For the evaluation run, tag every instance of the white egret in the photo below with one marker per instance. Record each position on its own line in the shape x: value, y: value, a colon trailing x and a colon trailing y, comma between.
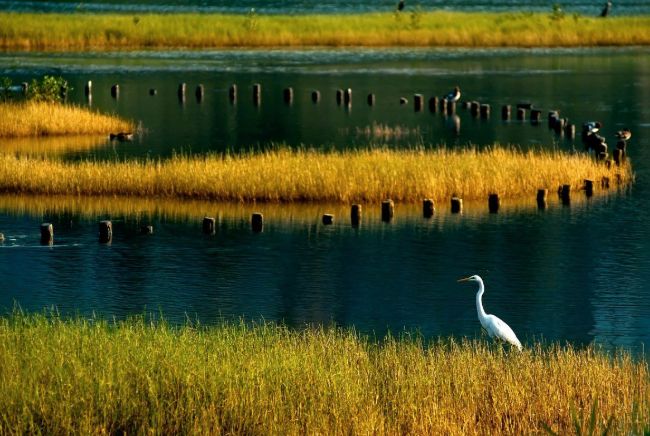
x: 624, y: 134
x: 494, y: 326
x: 454, y: 95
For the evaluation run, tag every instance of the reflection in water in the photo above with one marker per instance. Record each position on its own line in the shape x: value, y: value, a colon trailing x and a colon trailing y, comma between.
x: 51, y: 145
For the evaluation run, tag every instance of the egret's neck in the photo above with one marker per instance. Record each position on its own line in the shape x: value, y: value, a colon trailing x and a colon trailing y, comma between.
x: 479, y: 302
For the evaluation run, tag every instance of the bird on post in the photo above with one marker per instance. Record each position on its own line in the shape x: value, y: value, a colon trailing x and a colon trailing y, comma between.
x: 454, y: 95
x: 624, y: 134
x: 606, y: 9
x: 492, y: 324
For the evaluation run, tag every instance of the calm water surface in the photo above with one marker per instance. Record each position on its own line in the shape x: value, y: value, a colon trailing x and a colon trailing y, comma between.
x: 575, y: 273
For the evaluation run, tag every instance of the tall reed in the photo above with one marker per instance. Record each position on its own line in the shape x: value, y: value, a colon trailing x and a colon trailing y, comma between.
x: 285, y: 175
x: 33, y: 118
x: 82, y: 31
x: 141, y: 376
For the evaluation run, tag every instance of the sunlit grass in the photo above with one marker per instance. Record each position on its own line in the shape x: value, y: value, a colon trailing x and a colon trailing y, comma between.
x: 87, y: 376
x: 82, y: 31
x: 49, y: 119
x: 305, y: 175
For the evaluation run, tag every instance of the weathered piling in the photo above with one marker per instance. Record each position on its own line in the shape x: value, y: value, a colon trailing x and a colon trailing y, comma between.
x: 474, y: 108
x: 485, y: 111
x: 387, y: 210
x: 456, y: 205
x: 553, y: 116
x: 208, y: 225
x: 232, y: 93
x: 443, y: 105
x: 315, y: 96
x: 542, y: 198
x: 153, y: 91
x: 88, y: 89
x: 339, y: 97
x: 328, y: 219
x: 182, y: 87
x: 146, y: 230
x: 617, y: 154
x: 418, y: 102
x: 570, y: 131
x: 105, y: 231
x: 565, y: 194
x: 494, y: 203
x: 428, y: 208
x: 287, y: 94
x: 506, y: 110
x: 521, y: 114
x: 355, y: 215
x: 371, y: 99
x: 535, y: 116
x: 433, y: 104
x: 199, y: 92
x: 589, y: 187
x: 257, y: 94
x: 24, y: 88
x: 257, y: 222
x: 347, y: 97
x: 451, y: 107
x: 47, y: 233
x: 559, y: 125
x: 115, y: 91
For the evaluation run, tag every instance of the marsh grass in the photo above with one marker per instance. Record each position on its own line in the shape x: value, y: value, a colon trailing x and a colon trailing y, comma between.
x: 31, y: 118
x: 32, y: 31
x: 144, y: 376
x: 51, y: 145
x: 307, y: 175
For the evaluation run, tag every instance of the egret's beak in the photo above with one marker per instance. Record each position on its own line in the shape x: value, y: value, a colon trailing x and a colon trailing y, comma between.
x: 466, y: 279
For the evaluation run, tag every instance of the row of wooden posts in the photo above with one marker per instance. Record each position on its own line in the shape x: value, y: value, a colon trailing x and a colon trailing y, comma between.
x: 387, y: 213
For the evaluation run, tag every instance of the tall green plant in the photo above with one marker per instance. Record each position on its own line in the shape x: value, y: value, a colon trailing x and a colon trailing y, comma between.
x: 49, y: 89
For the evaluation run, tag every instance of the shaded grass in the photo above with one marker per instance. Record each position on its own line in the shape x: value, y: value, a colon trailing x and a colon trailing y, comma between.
x: 34, y: 31
x: 90, y: 376
x: 285, y: 175
x: 48, y: 119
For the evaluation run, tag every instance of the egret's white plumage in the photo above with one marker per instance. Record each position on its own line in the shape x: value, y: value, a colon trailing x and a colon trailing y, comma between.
x: 454, y: 95
x: 492, y: 324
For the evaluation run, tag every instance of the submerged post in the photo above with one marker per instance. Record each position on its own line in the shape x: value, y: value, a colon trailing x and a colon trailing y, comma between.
x: 232, y: 93
x: 493, y: 203
x: 339, y: 97
x: 456, y: 205
x: 257, y: 222
x: 474, y: 108
x: 485, y: 111
x: 433, y: 104
x: 355, y: 215
x: 542, y: 196
x: 146, y: 230
x: 257, y: 94
x: 505, y: 112
x: 47, y: 233
x: 88, y: 89
x: 535, y: 116
x: 328, y: 219
x: 387, y: 210
x: 288, y: 95
x: 428, y: 208
x: 181, y: 92
x: 315, y: 96
x: 105, y: 231
x: 570, y: 131
x: 418, y: 102
x: 208, y: 225
x: 521, y: 114
x: 565, y: 194
x: 347, y: 97
x: 589, y: 187
x: 115, y: 91
x: 371, y: 99
x: 200, y: 92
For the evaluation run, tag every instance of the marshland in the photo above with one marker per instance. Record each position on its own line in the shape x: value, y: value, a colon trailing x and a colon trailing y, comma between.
x: 374, y: 305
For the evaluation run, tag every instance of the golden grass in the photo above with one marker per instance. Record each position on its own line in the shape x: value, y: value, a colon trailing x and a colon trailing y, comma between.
x: 33, y: 31
x: 51, y: 145
x: 285, y: 175
x: 90, y: 376
x: 49, y: 119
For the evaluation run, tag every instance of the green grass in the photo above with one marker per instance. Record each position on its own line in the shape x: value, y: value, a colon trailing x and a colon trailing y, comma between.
x: 90, y: 376
x: 31, y: 118
x: 305, y: 175
x: 33, y: 31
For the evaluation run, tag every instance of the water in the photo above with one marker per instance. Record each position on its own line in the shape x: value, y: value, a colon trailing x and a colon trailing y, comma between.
x: 575, y: 273
x: 586, y: 7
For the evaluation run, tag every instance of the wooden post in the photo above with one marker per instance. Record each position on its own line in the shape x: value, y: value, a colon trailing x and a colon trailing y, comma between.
x: 257, y: 94
x: 387, y: 210
x: 115, y: 91
x: 521, y: 114
x: 181, y: 92
x: 443, y: 105
x: 553, y: 116
x: 589, y: 187
x: 428, y: 208
x: 200, y: 92
x: 451, y: 107
x: 232, y: 93
x: 146, y: 230
x: 493, y: 203
x: 475, y: 108
x: 433, y: 104
x: 570, y: 131
x: 559, y: 125
x: 418, y: 102
x: 617, y: 155
x: 153, y: 91
x: 105, y: 231
x: 535, y: 116
x: 328, y: 219
x: 257, y: 222
x: 47, y: 233
x: 485, y: 111
x: 315, y: 96
x: 88, y: 89
x: 456, y: 205
x: 565, y: 194
x: 505, y: 112
x: 347, y: 97
x: 339, y: 97
x: 288, y: 95
x: 542, y: 195
x: 208, y: 225
x: 355, y: 215
x: 371, y: 99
